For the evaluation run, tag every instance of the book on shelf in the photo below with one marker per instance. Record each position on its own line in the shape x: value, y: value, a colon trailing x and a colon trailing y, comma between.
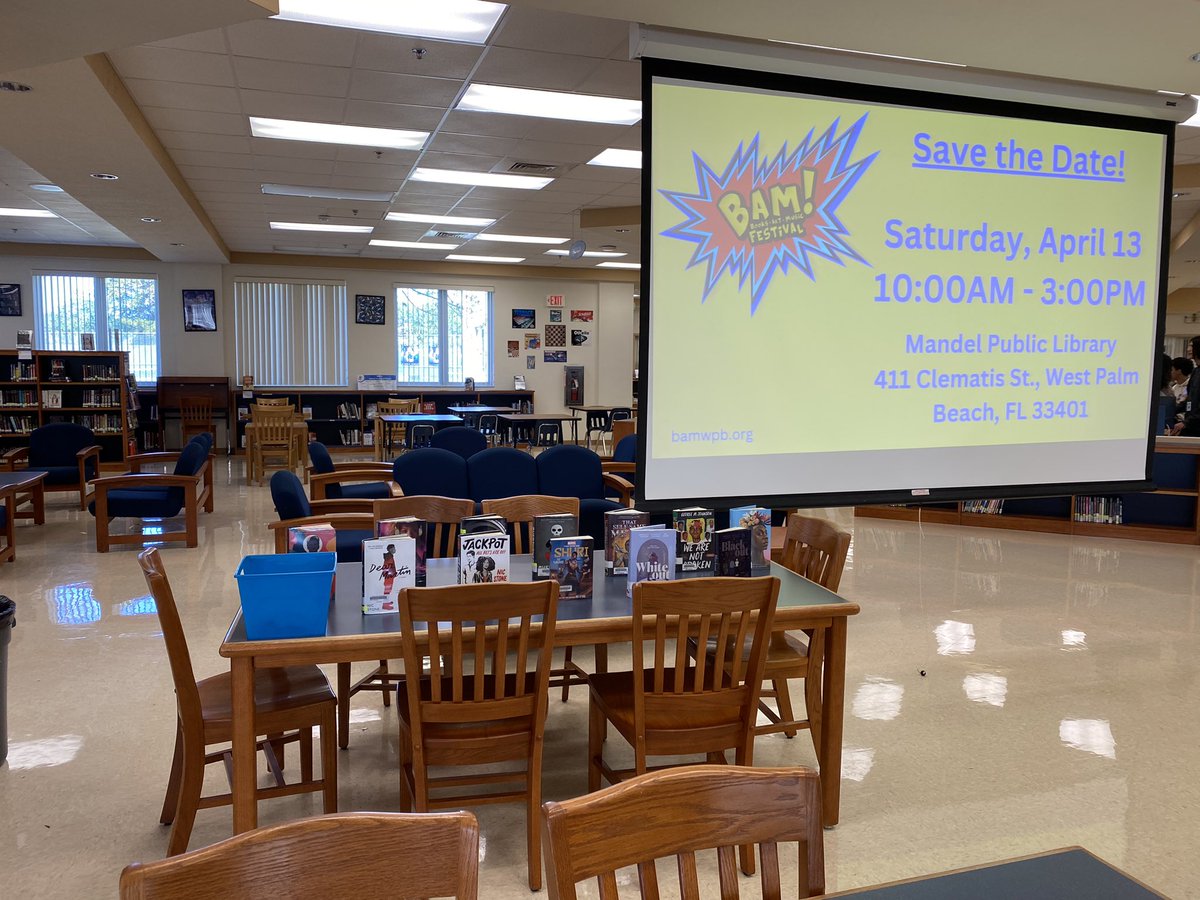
x: 571, y: 566
x: 410, y: 527
x: 1099, y: 510
x: 695, y: 526
x: 733, y: 549
x: 651, y: 555
x: 758, y: 520
x: 617, y: 524
x: 389, y: 564
x: 52, y: 399
x: 545, y: 529
x: 983, y: 507
x: 483, y: 558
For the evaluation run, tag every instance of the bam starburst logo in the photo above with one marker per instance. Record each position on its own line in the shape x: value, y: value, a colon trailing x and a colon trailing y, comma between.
x: 764, y: 216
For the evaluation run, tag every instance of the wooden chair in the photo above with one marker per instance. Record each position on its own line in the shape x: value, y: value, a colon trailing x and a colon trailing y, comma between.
x: 195, y: 416
x: 441, y: 515
x: 623, y: 428
x: 676, y: 705
x: 816, y: 549
x: 520, y: 512
x: 485, y: 704
x: 274, y: 401
x: 680, y: 812
x: 365, y: 855
x: 292, y: 699
x: 274, y: 436
x: 392, y: 407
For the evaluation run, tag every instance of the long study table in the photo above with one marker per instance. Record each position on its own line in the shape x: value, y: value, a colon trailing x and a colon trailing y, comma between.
x: 607, y: 618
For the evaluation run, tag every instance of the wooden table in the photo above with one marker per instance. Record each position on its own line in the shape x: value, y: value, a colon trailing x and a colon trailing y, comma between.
x: 605, y: 619
x: 513, y: 419
x: 299, y: 435
x: 1070, y: 873
x: 437, y: 420
x: 16, y: 489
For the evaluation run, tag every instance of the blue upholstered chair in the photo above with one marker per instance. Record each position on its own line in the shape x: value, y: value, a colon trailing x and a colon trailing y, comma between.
x: 623, y: 462
x: 356, y: 480
x: 65, y: 451
x: 147, y: 495
x: 571, y: 471
x: 466, y: 442
x: 431, y: 471
x: 353, y: 520
x: 502, y: 472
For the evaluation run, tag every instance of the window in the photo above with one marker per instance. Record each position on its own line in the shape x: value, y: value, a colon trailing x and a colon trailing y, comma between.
x: 291, y: 333
x: 120, y: 311
x: 443, y: 335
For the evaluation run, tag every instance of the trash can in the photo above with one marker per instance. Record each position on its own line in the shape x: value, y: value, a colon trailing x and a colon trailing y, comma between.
x: 8, y: 620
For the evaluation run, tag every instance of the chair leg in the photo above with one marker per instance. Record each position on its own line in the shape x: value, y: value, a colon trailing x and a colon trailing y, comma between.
x: 343, y: 705
x: 171, y: 801
x: 190, y: 784
x: 306, y: 754
x: 278, y: 747
x: 533, y: 808
x: 783, y: 701
x: 406, y: 762
x: 566, y: 686
x: 382, y: 674
x: 597, y: 724
x: 329, y: 744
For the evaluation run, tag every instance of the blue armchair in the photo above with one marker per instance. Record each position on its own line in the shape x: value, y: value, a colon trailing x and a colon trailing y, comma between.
x: 353, y: 520
x: 356, y: 480
x: 466, y: 442
x: 501, y: 472
x: 571, y: 471
x: 65, y: 451
x: 146, y: 495
x: 431, y: 470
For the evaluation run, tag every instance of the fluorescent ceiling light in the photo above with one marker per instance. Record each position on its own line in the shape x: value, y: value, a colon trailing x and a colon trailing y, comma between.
x: 324, y: 133
x: 519, y: 239
x: 470, y: 21
x: 551, y: 104
x: 413, y: 245
x: 318, y: 251
x: 624, y: 159
x: 300, y: 190
x: 604, y: 254
x: 438, y: 220
x: 27, y: 213
x: 47, y: 188
x: 321, y: 226
x: 933, y: 62
x: 462, y: 257
x: 613, y: 265
x: 480, y: 179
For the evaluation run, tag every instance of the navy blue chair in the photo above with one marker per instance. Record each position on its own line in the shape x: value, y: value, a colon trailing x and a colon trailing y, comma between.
x: 431, y: 471
x: 501, y: 472
x: 65, y: 451
x: 346, y: 481
x: 623, y: 462
x: 353, y: 520
x: 466, y: 442
x: 571, y: 471
x: 146, y: 495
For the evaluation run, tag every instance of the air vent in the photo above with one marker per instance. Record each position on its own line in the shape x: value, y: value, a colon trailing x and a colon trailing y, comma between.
x: 532, y: 168
x: 451, y: 235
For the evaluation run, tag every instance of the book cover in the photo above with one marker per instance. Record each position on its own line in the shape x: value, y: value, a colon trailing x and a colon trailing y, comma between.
x: 758, y: 520
x: 318, y: 538
x: 617, y: 523
x: 571, y: 566
x: 389, y: 564
x: 695, y: 526
x: 483, y: 558
x: 651, y: 555
x: 411, y: 527
x: 546, y: 528
x: 489, y: 524
x: 733, y: 547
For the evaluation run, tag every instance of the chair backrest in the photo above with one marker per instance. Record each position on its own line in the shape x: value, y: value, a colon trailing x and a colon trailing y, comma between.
x: 502, y: 472
x: 187, y: 696
x: 570, y: 471
x: 619, y: 413
x: 340, y: 855
x: 469, y: 672
x: 520, y: 512
x: 626, y: 449
x: 57, y: 443
x: 816, y: 549
x: 441, y: 514
x: 679, y: 812
x: 272, y: 401
x: 431, y: 471
x: 318, y: 454
x: 272, y: 424
x: 287, y: 493
x: 622, y: 428
x: 489, y: 423
x: 205, y: 438
x: 191, y: 458
x: 394, y: 406
x: 549, y: 434
x: 466, y: 442
x: 420, y: 436
x: 717, y: 692
x: 196, y: 411
x: 597, y: 420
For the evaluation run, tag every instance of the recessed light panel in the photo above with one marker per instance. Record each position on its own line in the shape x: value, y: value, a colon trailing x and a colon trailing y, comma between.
x: 301, y: 190
x: 616, y: 265
x: 27, y: 213
x: 322, y: 226
x: 438, y: 220
x: 324, y: 133
x: 413, y: 245
x: 589, y: 254
x: 462, y: 257
x: 469, y: 21
x: 480, y: 179
x: 47, y: 188
x: 624, y: 159
x: 519, y: 239
x: 495, y: 98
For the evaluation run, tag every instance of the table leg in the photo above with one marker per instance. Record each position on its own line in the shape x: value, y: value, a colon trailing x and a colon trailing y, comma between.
x: 39, y: 504
x: 249, y: 457
x: 245, y: 803
x: 9, y: 553
x: 832, y: 709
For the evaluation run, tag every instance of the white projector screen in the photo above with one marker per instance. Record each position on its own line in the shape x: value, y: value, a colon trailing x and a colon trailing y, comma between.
x: 855, y: 293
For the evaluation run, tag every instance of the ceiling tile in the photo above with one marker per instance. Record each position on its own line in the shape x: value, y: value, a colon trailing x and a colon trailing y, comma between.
x: 536, y: 29
x: 472, y: 145
x: 394, y: 53
x: 193, y: 120
x: 614, y: 78
x: 533, y: 69
x: 172, y: 94
x: 411, y: 90
x: 392, y: 115
x: 298, y: 149
x: 372, y: 170
x: 300, y: 107
x: 294, y: 42
x: 164, y: 64
x: 195, y: 140
x: 202, y: 41
x: 290, y: 78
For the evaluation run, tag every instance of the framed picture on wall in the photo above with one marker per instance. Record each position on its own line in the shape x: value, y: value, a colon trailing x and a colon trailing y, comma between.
x: 369, y: 309
x: 200, y: 310
x: 10, y: 299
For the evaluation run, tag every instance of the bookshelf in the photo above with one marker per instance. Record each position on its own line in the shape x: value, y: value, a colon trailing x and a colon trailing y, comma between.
x: 1170, y: 514
x: 90, y: 388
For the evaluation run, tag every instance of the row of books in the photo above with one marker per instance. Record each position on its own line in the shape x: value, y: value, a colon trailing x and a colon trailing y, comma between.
x: 100, y: 372
x: 100, y: 423
x: 348, y: 410
x: 1099, y: 510
x: 22, y: 371
x: 18, y: 398
x: 18, y: 424
x: 983, y: 507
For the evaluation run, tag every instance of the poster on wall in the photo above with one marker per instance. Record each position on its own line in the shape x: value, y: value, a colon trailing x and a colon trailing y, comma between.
x: 554, y: 356
x: 556, y: 315
x: 533, y: 341
x: 556, y: 335
x: 580, y: 337
x: 200, y: 310
x: 10, y: 299
x: 581, y: 315
x: 524, y: 318
x: 514, y: 349
x: 531, y: 362
x: 369, y: 309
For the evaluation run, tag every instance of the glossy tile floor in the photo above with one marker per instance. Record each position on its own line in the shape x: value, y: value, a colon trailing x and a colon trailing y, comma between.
x: 1006, y: 693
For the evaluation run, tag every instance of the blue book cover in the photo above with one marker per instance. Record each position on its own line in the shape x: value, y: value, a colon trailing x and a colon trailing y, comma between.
x: 571, y: 566
x: 651, y: 555
x: 758, y: 520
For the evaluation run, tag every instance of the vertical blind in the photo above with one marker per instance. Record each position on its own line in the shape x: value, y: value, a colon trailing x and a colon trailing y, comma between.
x: 291, y: 334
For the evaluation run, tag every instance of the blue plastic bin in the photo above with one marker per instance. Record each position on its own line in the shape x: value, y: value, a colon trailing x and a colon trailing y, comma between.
x: 286, y: 595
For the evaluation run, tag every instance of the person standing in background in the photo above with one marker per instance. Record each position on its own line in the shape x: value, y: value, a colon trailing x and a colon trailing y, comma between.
x: 1190, y: 425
